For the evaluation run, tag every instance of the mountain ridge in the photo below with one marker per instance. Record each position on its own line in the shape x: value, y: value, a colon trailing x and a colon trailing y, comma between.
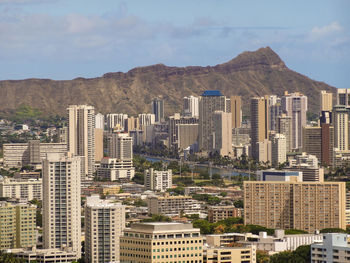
x: 251, y: 73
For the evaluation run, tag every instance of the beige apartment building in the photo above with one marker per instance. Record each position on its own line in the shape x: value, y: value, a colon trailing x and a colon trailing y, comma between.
x: 81, y: 136
x: 326, y: 101
x: 307, y: 206
x: 104, y: 223
x: 284, y: 126
x: 161, y: 243
x: 172, y: 205
x: 21, y: 188
x: 31, y: 153
x: 229, y: 255
x: 17, y: 225
x: 219, y: 213
x: 222, y: 136
x: 61, y: 202
x: 158, y: 180
x: 113, y: 169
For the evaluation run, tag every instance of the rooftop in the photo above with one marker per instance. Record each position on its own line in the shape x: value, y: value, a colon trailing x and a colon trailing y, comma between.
x: 211, y: 93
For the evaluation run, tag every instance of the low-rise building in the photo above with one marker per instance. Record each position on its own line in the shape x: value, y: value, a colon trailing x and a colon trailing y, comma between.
x: 161, y: 242
x: 173, y: 205
x: 229, y: 255
x: 113, y: 169
x: 158, y: 180
x: 219, y: 213
x: 334, y: 248
x: 21, y: 188
x: 45, y: 255
x: 31, y: 153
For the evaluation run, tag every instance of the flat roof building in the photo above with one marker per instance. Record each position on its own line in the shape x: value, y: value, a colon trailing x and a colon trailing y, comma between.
x: 161, y: 242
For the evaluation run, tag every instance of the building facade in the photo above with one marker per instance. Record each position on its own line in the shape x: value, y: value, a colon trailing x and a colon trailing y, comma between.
x: 219, y: 213
x: 61, y: 202
x: 161, y: 242
x: 21, y: 188
x: 210, y: 101
x: 307, y: 206
x: 81, y: 136
x: 104, y: 223
x: 158, y: 180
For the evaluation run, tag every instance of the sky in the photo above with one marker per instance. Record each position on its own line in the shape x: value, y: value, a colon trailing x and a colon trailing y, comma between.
x: 65, y: 39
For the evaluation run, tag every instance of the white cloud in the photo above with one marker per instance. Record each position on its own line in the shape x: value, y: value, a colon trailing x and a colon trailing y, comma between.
x: 324, y: 31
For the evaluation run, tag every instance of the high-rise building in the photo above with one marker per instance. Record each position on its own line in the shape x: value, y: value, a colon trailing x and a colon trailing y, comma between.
x: 210, y: 101
x: 278, y: 149
x: 158, y: 109
x: 99, y: 121
x: 161, y: 242
x: 116, y: 121
x: 222, y: 136
x: 236, y: 111
x: 312, y: 141
x: 131, y: 124
x: 81, y: 135
x: 173, y: 130
x: 326, y: 101
x: 146, y: 119
x: 259, y: 119
x: 275, y: 110
x: 319, y: 141
x: 17, y: 225
x: 341, y: 128
x: 104, y: 223
x: 295, y: 106
x: 158, y: 180
x: 61, y: 202
x: 191, y: 106
x: 187, y: 135
x: 343, y: 97
x: 98, y: 145
x: 284, y: 126
x: 120, y: 146
x: 295, y: 205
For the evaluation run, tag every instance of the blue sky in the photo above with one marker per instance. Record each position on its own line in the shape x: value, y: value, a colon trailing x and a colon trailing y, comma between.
x: 64, y: 39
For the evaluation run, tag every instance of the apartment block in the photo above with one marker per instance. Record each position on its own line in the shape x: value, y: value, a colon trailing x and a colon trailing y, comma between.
x: 113, y: 169
x: 219, y: 213
x: 172, y: 205
x: 222, y: 136
x: 62, y: 202
x: 335, y: 248
x: 307, y: 206
x: 161, y: 242
x: 158, y: 109
x: 116, y: 121
x: 21, y: 188
x: 81, y: 136
x: 31, y: 153
x: 158, y: 180
x: 104, y: 223
x: 326, y: 101
x: 17, y: 225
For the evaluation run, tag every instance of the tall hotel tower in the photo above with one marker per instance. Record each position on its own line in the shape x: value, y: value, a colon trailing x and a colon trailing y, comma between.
x: 61, y: 202
x: 81, y: 135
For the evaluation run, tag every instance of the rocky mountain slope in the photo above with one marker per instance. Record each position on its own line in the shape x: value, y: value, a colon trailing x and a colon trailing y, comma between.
x: 249, y: 74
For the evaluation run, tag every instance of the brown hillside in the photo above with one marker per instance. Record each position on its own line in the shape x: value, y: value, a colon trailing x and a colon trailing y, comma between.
x: 249, y: 74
